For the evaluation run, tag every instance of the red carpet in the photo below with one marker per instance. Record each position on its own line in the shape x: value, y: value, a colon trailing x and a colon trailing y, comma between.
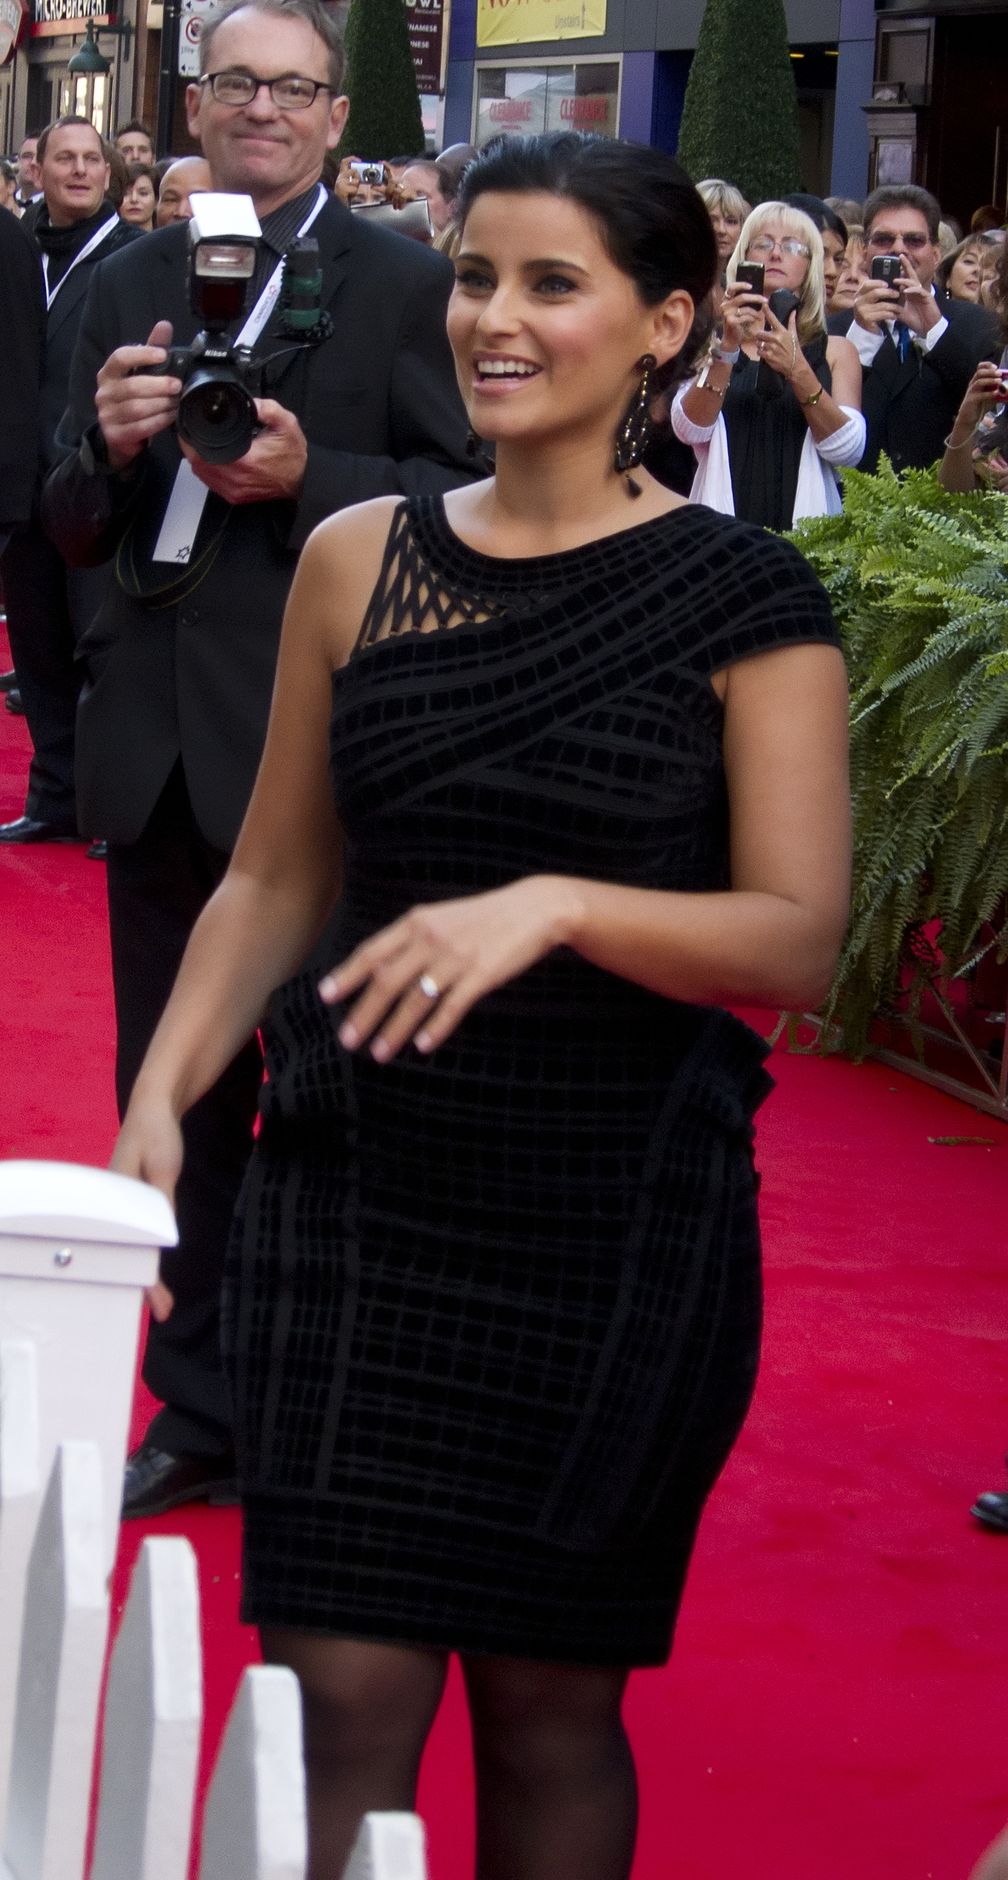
x: 833, y: 1708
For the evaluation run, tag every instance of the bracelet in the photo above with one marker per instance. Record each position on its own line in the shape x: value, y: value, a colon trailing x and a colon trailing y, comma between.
x: 727, y: 358
x: 967, y: 445
x: 807, y: 403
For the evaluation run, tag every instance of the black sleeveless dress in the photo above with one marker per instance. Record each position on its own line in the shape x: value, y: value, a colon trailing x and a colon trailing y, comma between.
x: 492, y: 1317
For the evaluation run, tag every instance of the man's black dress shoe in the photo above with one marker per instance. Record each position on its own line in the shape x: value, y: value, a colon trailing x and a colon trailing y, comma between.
x: 992, y: 1509
x: 8, y: 680
x: 30, y: 829
x: 97, y: 851
x: 14, y: 703
x: 154, y: 1481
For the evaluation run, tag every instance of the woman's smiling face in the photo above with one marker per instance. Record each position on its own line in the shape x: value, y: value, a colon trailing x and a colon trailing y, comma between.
x: 545, y: 328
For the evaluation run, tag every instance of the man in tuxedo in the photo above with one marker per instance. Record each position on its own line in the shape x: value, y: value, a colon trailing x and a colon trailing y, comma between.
x: 918, y: 348
x: 181, y: 658
x: 22, y: 322
x: 48, y: 605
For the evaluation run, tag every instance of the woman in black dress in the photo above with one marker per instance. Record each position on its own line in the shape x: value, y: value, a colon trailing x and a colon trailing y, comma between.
x: 775, y: 409
x: 567, y: 758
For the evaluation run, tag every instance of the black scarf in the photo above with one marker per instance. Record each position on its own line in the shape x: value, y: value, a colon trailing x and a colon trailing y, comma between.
x: 61, y: 245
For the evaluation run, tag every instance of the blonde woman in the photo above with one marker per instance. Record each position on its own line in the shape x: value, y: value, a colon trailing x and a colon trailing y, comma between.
x: 777, y: 406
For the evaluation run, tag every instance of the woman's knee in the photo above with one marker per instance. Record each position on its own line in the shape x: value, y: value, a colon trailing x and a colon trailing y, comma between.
x: 545, y: 1720
x: 359, y: 1697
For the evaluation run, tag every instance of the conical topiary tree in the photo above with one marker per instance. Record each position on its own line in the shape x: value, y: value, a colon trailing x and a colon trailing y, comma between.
x: 740, y: 116
x: 385, y: 118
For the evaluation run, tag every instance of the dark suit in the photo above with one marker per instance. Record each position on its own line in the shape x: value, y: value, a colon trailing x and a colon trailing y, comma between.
x: 172, y: 721
x: 48, y: 605
x: 22, y: 323
x: 910, y: 404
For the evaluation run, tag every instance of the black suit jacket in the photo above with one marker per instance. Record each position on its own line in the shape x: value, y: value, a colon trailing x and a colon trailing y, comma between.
x: 193, y: 676
x: 62, y: 327
x: 910, y: 404
x: 22, y: 323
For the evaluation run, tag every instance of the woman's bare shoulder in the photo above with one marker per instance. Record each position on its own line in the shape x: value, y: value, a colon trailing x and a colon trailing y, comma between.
x: 339, y: 566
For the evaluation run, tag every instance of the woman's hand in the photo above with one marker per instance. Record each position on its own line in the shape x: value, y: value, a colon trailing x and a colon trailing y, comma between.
x: 988, y: 386
x: 419, y: 977
x: 743, y: 315
x: 149, y: 1147
x: 778, y: 344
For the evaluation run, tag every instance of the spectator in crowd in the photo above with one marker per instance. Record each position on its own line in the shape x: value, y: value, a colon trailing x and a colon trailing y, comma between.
x: 135, y: 142
x: 833, y: 230
x: 777, y: 405
x: 452, y: 165
x: 493, y: 1304
x: 959, y: 272
x: 49, y: 605
x: 181, y: 657
x: 949, y: 236
x: 976, y: 457
x: 29, y: 183
x: 851, y: 213
x: 424, y: 180
x: 852, y: 272
x: 22, y: 322
x: 118, y: 177
x: 140, y: 201
x: 181, y: 181
x: 8, y: 186
x: 727, y: 208
x: 994, y: 284
x: 987, y: 217
x: 917, y: 347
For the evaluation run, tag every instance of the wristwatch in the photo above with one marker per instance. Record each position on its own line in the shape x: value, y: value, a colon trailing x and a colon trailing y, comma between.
x: 814, y: 400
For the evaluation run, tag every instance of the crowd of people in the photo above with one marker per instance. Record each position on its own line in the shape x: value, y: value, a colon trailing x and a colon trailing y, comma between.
x: 546, y: 767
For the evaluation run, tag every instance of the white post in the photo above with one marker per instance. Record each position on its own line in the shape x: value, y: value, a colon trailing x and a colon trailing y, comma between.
x: 77, y: 1247
x: 255, y: 1820
x: 388, y: 1847
x: 59, y: 1676
x: 153, y: 1714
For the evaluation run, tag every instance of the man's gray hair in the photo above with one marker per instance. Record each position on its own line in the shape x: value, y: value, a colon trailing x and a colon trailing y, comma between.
x: 314, y: 13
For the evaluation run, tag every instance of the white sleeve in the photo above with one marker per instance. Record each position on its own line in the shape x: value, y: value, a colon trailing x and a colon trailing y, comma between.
x: 847, y: 445
x: 865, y: 344
x: 686, y: 431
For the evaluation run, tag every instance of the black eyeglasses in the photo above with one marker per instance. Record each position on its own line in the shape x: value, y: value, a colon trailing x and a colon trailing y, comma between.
x: 289, y: 93
x: 885, y: 239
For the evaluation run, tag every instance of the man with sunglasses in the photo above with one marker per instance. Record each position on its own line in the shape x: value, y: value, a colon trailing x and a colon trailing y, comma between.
x: 918, y: 348
x: 181, y: 658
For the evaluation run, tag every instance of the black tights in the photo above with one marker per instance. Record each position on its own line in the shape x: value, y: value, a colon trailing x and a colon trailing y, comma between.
x: 556, y: 1791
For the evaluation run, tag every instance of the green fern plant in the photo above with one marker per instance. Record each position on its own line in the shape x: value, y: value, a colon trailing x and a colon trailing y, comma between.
x: 918, y: 579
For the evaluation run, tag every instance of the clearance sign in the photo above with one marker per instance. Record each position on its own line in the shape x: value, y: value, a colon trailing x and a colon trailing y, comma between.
x: 519, y: 22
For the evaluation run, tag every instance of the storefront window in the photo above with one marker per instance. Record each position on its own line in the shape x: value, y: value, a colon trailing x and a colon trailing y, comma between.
x: 526, y: 99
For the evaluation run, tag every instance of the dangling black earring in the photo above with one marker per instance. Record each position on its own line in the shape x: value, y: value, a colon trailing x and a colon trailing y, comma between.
x: 633, y: 434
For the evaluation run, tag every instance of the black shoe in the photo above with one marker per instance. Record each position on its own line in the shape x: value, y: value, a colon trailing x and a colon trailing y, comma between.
x: 13, y: 702
x: 154, y: 1481
x: 992, y: 1509
x: 97, y: 851
x: 30, y: 829
x: 8, y: 680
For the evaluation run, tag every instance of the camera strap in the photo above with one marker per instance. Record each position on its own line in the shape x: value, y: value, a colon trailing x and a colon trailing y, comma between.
x: 188, y: 497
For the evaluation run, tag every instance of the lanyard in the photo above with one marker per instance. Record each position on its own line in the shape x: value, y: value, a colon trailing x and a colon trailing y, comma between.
x: 88, y: 249
x: 188, y: 497
x: 267, y: 300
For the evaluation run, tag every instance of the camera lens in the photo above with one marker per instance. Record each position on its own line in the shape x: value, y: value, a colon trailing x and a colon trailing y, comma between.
x: 217, y: 416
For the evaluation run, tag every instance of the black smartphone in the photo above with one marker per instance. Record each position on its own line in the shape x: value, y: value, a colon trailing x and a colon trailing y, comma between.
x: 887, y: 268
x: 751, y: 274
x: 783, y: 304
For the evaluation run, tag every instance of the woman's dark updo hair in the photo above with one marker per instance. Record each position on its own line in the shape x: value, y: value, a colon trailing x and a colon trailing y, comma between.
x: 653, y: 224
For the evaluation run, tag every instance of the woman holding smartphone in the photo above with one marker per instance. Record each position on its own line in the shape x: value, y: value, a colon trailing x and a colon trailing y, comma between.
x: 776, y: 408
x: 564, y: 759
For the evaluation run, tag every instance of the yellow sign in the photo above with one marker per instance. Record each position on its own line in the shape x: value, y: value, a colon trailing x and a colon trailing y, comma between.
x: 520, y: 22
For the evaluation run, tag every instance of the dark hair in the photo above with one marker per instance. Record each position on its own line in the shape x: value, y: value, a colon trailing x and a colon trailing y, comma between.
x: 988, y: 216
x: 61, y: 124
x: 314, y: 14
x: 904, y: 196
x: 820, y: 213
x: 135, y: 171
x: 134, y: 125
x: 653, y: 223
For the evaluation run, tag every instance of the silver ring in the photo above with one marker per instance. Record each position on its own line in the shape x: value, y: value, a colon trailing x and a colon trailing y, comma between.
x: 428, y: 986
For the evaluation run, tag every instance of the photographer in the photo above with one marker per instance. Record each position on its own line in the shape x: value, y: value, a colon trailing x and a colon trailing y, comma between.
x: 181, y: 658
x: 918, y: 348
x: 777, y: 404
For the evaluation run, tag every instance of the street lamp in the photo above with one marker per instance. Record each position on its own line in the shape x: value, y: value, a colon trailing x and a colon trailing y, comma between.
x: 89, y: 61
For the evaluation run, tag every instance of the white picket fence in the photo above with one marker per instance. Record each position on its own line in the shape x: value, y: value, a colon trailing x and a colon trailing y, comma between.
x: 77, y: 1248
